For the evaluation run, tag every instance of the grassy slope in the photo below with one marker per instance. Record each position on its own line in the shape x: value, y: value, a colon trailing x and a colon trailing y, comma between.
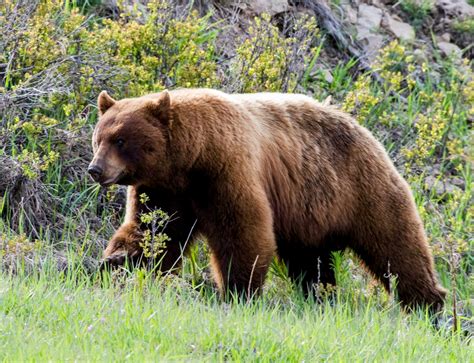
x: 52, y: 318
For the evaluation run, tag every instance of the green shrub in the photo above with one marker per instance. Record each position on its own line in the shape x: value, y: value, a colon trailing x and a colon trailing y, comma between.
x: 464, y: 26
x: 269, y: 61
x: 417, y: 9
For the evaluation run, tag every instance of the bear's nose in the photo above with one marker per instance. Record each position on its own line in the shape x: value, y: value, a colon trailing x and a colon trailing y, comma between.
x: 95, y: 172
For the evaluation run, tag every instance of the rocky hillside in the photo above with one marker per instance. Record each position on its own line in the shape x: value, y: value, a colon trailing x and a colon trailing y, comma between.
x: 443, y: 25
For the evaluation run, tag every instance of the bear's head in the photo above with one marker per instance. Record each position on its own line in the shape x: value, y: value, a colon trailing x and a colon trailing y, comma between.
x: 130, y: 141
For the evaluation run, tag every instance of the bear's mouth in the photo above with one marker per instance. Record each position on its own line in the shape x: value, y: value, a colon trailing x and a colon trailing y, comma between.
x: 119, y: 179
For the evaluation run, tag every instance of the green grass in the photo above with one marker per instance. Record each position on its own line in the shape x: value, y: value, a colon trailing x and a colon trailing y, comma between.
x: 74, y: 318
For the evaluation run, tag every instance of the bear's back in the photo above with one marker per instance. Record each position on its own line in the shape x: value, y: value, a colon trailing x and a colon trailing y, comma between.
x: 277, y: 111
x: 296, y: 145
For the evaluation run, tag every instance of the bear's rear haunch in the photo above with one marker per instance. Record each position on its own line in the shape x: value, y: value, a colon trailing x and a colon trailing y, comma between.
x: 259, y: 174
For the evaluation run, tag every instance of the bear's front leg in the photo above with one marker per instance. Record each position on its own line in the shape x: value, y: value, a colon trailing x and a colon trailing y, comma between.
x: 125, y: 243
x: 242, y: 241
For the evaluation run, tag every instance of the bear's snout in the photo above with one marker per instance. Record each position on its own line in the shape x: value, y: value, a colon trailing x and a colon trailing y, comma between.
x: 95, y: 171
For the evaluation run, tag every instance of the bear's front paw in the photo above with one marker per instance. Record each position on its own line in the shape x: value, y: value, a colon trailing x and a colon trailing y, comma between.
x: 119, y: 259
x: 112, y: 261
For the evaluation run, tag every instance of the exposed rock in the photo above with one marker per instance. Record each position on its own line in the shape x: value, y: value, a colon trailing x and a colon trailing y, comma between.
x: 368, y: 23
x: 362, y: 32
x: 327, y: 75
x: 445, y: 37
x: 350, y: 14
x: 320, y: 72
x: 459, y: 182
x: 377, y: 3
x: 420, y: 55
x: 372, y: 44
x: 440, y: 186
x: 271, y: 7
x: 401, y: 30
x: 369, y: 16
x: 449, y: 49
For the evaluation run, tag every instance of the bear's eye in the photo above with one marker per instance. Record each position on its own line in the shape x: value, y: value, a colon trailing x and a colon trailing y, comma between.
x: 120, y: 142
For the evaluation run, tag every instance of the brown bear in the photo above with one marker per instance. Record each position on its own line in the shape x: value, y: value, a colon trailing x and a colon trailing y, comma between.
x: 259, y: 175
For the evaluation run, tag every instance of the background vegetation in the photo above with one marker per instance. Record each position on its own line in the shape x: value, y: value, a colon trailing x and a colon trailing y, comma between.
x: 55, y: 57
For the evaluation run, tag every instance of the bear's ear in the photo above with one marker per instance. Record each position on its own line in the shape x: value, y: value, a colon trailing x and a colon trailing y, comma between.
x: 104, y: 102
x: 160, y: 107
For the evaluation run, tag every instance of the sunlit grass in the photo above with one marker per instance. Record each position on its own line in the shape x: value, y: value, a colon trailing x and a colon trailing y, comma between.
x: 72, y: 317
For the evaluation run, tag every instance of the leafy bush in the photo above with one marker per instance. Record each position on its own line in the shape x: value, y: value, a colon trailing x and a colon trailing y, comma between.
x: 57, y: 59
x: 270, y: 61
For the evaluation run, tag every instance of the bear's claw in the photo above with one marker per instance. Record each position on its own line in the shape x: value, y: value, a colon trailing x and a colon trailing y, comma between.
x: 113, y: 261
x: 118, y: 259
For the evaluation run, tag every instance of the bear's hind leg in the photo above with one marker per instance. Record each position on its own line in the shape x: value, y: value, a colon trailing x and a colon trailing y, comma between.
x: 403, y: 254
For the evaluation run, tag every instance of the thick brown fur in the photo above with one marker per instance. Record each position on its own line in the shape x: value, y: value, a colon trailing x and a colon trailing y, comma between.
x: 259, y: 174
